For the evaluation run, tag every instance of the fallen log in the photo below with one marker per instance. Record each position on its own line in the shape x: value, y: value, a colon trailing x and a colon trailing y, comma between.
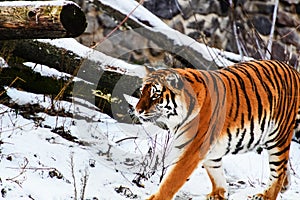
x: 40, y: 19
x: 42, y: 53
x: 195, y: 54
x: 104, y: 80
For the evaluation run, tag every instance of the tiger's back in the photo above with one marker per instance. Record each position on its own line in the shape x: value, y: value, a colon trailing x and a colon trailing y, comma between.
x: 233, y: 110
x: 261, y: 101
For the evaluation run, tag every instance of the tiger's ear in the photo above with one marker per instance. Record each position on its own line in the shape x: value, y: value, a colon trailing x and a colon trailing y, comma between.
x: 148, y: 69
x: 174, y: 80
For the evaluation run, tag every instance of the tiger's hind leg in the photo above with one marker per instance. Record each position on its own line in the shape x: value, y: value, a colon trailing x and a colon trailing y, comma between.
x: 279, y: 173
x: 216, y: 174
x: 287, y: 181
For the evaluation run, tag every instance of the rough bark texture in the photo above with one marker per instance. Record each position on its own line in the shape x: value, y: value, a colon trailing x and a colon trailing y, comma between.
x: 45, y: 19
x: 104, y: 81
x: 42, y: 53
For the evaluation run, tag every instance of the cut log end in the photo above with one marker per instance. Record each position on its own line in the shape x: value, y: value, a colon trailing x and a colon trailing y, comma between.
x: 73, y: 20
x: 41, y: 19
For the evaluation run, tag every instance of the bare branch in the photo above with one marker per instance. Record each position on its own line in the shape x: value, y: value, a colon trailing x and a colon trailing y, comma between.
x: 73, y: 175
x: 269, y: 45
x: 237, y: 41
x: 84, y: 181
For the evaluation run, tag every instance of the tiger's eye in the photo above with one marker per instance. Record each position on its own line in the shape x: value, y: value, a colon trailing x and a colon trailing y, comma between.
x: 155, y: 96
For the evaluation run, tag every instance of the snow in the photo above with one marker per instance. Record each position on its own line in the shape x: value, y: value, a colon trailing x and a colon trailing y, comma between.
x: 98, y: 57
x: 45, y: 152
x: 3, y: 63
x: 45, y: 70
x: 31, y: 153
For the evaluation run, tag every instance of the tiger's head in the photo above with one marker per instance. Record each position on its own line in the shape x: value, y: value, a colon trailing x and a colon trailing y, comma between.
x: 163, y: 98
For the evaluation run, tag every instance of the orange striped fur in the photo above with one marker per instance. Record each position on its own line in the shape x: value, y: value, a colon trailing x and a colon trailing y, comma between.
x: 228, y: 111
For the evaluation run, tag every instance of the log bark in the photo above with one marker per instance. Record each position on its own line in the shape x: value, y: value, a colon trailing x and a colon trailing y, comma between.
x: 96, y: 76
x: 42, y: 53
x: 40, y: 19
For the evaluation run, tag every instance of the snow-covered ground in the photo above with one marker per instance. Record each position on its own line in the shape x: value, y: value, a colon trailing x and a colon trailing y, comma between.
x: 37, y: 163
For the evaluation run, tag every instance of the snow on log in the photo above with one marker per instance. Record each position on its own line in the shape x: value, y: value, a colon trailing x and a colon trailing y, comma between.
x: 110, y: 78
x: 67, y: 55
x: 197, y: 54
x: 40, y: 19
x: 104, y: 79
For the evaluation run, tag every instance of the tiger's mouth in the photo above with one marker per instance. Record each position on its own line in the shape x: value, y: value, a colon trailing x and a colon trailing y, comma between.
x: 149, y: 117
x: 155, y: 119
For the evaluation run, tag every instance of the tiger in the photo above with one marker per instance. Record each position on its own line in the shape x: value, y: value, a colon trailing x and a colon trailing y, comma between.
x: 236, y: 109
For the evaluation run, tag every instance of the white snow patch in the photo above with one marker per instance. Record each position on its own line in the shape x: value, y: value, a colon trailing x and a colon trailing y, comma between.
x: 104, y: 61
x: 3, y: 63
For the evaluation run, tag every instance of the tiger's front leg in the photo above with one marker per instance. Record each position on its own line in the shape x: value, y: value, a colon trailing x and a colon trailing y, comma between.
x: 176, y: 177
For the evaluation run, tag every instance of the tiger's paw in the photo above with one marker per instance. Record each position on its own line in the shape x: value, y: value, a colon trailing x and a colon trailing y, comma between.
x: 215, y: 197
x: 159, y: 196
x: 218, y: 194
x: 257, y: 197
x: 152, y: 197
x: 156, y: 197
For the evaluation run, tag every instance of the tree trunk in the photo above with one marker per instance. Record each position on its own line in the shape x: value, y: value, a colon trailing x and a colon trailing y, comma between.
x: 40, y: 19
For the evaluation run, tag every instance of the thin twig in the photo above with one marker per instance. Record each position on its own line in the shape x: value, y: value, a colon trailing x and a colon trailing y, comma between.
x: 17, y: 78
x: 23, y: 170
x: 259, y: 48
x: 73, y: 176
x: 117, y: 27
x: 269, y: 45
x: 84, y: 181
x: 293, y: 170
x: 216, y: 56
x: 128, y: 138
x: 256, y: 37
x: 34, y: 168
x: 234, y: 27
x: 290, y: 32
